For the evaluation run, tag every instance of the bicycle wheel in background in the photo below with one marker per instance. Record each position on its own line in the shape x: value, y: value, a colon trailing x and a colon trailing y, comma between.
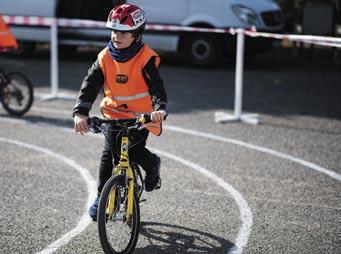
x: 116, y: 233
x: 17, y: 94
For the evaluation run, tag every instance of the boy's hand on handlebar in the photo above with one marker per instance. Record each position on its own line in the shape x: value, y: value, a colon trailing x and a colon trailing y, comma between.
x: 81, y: 124
x: 158, y: 116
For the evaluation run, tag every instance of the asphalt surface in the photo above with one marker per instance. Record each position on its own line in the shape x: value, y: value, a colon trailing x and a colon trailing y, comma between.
x: 227, y: 188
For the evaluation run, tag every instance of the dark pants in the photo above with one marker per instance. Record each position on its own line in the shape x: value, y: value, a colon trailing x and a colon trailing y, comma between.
x: 137, y: 152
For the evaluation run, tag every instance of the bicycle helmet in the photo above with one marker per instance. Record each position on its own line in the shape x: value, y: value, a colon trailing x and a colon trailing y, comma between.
x: 127, y: 18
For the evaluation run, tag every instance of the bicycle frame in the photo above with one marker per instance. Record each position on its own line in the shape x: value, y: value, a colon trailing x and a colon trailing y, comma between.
x: 119, y: 204
x: 123, y: 168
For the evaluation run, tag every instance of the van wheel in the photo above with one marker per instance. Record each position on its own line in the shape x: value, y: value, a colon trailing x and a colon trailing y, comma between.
x: 200, y: 50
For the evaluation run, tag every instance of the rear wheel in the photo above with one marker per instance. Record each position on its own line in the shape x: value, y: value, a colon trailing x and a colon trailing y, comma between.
x: 117, y: 232
x: 17, y: 94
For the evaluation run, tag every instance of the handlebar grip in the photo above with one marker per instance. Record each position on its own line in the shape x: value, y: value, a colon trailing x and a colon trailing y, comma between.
x: 95, y: 124
x: 94, y: 121
x: 146, y: 118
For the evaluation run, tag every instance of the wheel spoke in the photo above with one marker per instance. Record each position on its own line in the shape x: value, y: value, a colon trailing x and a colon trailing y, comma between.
x: 17, y: 94
x: 118, y: 234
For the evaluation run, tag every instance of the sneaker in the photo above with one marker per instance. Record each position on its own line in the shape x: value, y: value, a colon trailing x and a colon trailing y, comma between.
x: 93, y: 209
x: 153, y: 178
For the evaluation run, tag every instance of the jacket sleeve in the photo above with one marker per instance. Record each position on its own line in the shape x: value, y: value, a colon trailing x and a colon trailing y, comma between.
x: 91, y: 85
x: 155, y: 83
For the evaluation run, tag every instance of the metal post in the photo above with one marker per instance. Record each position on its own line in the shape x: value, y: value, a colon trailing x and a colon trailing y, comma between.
x: 224, y: 117
x: 54, y: 57
x: 54, y: 71
x: 239, y: 75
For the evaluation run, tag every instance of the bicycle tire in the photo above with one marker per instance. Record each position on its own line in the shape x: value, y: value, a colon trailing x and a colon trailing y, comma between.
x: 117, y: 228
x: 17, y: 94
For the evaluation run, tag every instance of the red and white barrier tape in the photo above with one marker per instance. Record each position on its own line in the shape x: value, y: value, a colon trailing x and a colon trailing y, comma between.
x: 171, y: 28
x: 27, y: 20
x: 46, y: 21
x: 311, y: 39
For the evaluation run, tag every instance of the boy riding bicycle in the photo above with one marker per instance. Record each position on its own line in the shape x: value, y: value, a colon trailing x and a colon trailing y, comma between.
x: 127, y: 70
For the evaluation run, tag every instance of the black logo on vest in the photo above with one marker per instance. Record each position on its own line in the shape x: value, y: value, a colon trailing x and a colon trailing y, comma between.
x: 121, y: 79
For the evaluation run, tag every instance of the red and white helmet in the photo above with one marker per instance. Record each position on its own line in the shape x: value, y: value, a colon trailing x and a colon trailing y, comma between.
x: 126, y: 17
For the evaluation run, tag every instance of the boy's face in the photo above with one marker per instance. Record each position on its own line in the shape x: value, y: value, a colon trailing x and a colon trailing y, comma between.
x: 121, y: 40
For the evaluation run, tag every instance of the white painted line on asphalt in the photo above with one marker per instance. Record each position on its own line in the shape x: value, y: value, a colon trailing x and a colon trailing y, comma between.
x: 60, y: 95
x: 239, y: 143
x: 245, y: 212
x: 244, y: 209
x: 257, y: 148
x: 51, y: 110
x: 91, y: 189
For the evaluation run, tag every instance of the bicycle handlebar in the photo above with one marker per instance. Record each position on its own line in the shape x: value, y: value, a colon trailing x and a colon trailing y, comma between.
x: 126, y: 122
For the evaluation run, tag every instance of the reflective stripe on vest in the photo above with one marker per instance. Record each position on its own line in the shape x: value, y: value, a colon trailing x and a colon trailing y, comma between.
x: 130, y: 98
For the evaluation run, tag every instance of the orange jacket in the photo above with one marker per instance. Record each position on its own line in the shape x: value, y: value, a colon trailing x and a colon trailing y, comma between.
x: 125, y: 88
x: 7, y: 39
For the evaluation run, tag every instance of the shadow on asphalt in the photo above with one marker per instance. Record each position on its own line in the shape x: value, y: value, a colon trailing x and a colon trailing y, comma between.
x: 44, y: 120
x: 167, y: 238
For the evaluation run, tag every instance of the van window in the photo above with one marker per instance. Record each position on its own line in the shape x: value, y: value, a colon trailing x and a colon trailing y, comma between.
x: 85, y: 9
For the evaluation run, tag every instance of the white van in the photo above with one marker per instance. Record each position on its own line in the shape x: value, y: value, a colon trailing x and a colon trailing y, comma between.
x: 197, y: 48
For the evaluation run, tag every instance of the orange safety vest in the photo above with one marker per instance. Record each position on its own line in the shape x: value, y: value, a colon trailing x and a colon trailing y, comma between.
x: 7, y: 39
x: 125, y: 88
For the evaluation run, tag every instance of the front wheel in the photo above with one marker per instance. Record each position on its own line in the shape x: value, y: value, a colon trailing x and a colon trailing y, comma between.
x: 118, y: 232
x: 16, y: 94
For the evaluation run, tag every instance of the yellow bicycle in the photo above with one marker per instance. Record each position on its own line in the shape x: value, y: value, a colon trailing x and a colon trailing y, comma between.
x: 118, y: 215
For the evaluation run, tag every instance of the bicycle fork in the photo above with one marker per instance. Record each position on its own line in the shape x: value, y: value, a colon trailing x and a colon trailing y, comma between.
x: 119, y: 197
